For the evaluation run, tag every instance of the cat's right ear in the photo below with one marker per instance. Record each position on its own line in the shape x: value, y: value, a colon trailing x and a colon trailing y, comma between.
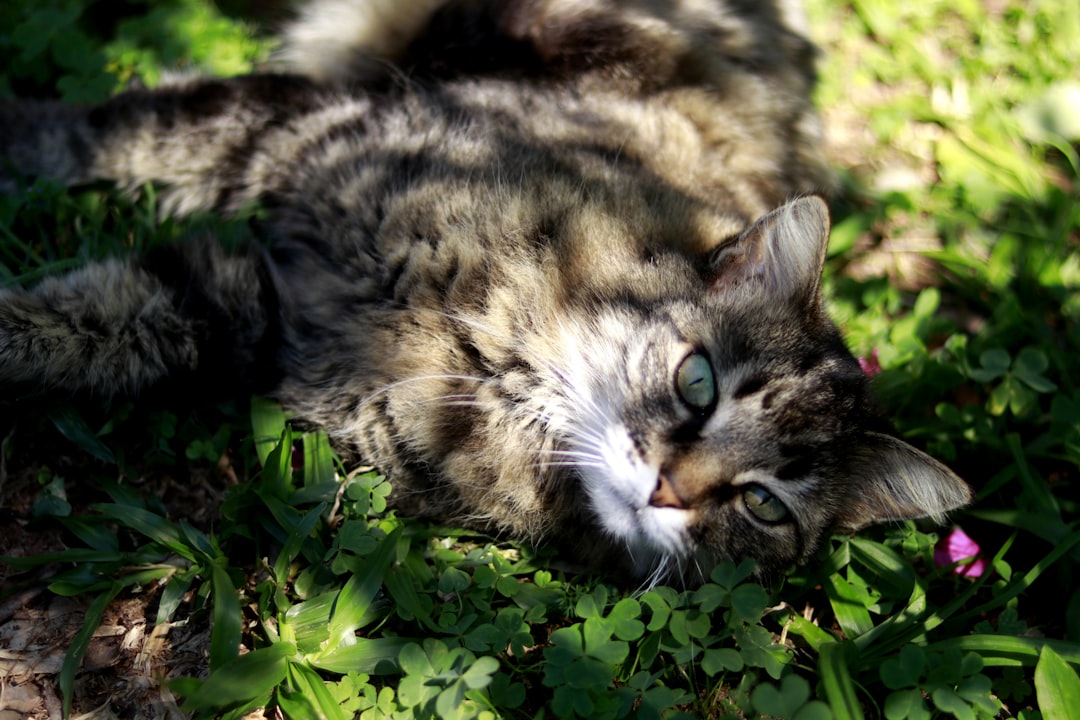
x: 895, y: 481
x: 781, y: 254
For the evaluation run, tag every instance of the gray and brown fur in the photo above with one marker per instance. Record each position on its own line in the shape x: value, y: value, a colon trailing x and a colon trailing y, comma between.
x: 497, y: 229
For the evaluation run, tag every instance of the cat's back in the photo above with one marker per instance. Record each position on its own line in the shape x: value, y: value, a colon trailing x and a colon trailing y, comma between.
x: 551, y: 108
x: 709, y: 96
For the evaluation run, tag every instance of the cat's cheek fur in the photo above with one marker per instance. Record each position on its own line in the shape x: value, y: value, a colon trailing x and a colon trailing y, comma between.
x: 619, y: 489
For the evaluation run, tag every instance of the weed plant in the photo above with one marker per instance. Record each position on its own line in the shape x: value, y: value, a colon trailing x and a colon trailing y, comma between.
x: 954, y: 267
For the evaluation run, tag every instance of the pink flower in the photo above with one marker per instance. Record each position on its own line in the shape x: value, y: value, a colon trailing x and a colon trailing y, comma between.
x: 956, y: 547
x: 870, y: 365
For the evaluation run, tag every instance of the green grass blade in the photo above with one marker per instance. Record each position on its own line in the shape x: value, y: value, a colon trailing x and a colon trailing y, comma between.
x: 225, y: 633
x: 366, y: 655
x: 298, y: 535
x: 835, y: 673
x: 1007, y: 650
x: 149, y: 524
x: 359, y: 592
x: 94, y: 534
x: 173, y: 594
x: 306, y: 696
x: 72, y: 426
x: 815, y: 636
x: 893, y: 572
x: 74, y: 655
x: 319, y: 466
x: 850, y: 612
x: 277, y: 479
x: 1050, y: 529
x: 267, y: 425
x: 74, y: 555
x: 1026, y: 581
x: 1057, y: 687
x: 244, y: 678
x: 401, y: 588
x: 1034, y: 488
x: 310, y: 620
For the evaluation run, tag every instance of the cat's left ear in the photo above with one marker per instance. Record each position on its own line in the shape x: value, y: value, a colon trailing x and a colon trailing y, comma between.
x: 781, y: 254
x: 895, y: 481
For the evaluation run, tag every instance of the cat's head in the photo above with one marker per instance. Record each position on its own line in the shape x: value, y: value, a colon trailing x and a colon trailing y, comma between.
x: 734, y: 423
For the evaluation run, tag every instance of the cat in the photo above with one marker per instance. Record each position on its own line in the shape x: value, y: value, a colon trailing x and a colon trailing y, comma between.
x: 554, y: 266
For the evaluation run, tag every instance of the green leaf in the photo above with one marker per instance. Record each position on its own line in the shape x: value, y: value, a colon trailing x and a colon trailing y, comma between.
x: 906, y: 705
x: 904, y: 670
x: 399, y: 582
x: 72, y: 426
x: 366, y: 655
x: 926, y: 304
x: 75, y: 652
x: 758, y: 650
x: 1029, y: 367
x: 749, y: 602
x: 948, y: 701
x: 782, y: 702
x: 624, y: 619
x: 849, y: 606
x: 598, y: 642
x: 93, y: 533
x: 718, y: 660
x: 245, y: 678
x: 1057, y: 687
x: 894, y: 574
x: 728, y: 575
x: 319, y: 466
x: 149, y: 524
x: 298, y: 535
x: 308, y: 696
x: 661, y: 610
x: 978, y: 691
x: 837, y: 682
x: 506, y: 694
x: 225, y: 633
x: 587, y: 607
x: 267, y: 425
x: 453, y: 580
x: 355, y: 598
x: 814, y: 710
x: 479, y: 673
x: 173, y: 595
x: 995, y: 363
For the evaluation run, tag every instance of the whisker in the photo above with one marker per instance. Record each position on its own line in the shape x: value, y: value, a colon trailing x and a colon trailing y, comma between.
x: 371, y: 397
x: 567, y: 463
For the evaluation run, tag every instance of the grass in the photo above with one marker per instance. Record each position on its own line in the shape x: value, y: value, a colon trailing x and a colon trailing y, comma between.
x: 954, y: 264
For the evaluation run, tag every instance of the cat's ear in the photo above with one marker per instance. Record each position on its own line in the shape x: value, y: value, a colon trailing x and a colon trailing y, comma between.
x: 781, y: 254
x: 895, y: 481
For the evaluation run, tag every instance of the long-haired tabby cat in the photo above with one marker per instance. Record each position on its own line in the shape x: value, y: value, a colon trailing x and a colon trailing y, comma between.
x: 553, y: 265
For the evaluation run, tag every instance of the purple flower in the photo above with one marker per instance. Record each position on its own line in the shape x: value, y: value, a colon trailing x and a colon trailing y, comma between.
x: 870, y: 365
x: 956, y: 547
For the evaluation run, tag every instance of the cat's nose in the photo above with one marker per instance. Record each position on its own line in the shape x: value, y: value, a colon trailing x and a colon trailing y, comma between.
x: 664, y: 495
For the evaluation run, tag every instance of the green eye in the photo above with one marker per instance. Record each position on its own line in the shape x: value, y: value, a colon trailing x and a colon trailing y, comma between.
x: 764, y: 505
x: 694, y: 381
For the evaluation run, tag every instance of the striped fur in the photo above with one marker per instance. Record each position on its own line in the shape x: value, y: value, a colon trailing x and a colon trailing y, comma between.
x: 502, y: 237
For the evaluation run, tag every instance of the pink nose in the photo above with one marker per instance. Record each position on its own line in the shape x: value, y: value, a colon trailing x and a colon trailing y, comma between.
x: 664, y: 495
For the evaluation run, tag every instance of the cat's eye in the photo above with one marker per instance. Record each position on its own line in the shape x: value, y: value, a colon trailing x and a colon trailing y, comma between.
x: 695, y: 382
x: 764, y: 505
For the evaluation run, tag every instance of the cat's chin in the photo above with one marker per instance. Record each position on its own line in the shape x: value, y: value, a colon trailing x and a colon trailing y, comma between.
x: 619, y: 490
x: 652, y: 536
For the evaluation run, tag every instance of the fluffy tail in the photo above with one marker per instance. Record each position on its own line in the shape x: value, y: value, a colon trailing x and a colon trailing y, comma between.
x: 205, y: 142
x: 120, y: 326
